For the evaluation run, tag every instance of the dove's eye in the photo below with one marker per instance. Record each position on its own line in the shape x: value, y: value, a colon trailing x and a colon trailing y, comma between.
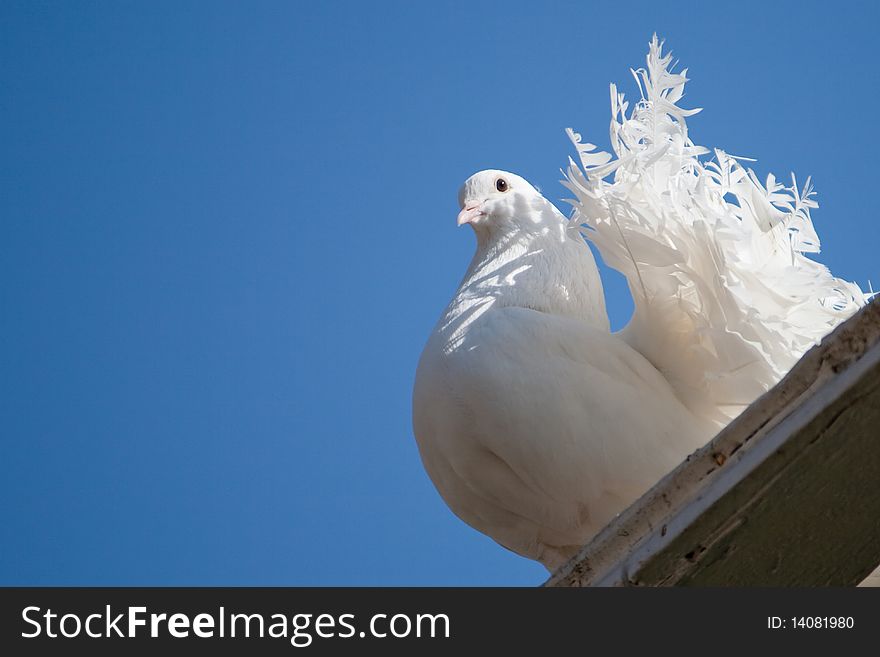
x: 501, y: 185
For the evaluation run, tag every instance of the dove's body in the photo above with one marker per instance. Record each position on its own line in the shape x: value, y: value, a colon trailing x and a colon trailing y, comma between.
x: 535, y: 422
x: 530, y: 415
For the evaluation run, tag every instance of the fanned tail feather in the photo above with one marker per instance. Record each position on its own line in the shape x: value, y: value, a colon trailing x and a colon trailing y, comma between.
x: 726, y: 301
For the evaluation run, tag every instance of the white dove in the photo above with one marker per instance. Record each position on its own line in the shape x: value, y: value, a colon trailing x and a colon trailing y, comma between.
x: 536, y: 423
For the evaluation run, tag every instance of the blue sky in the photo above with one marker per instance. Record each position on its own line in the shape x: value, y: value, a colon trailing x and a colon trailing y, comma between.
x: 226, y: 230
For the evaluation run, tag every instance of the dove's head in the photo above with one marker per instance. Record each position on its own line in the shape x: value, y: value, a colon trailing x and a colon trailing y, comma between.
x: 497, y: 203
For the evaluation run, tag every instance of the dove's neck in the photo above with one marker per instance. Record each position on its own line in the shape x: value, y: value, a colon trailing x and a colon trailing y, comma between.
x: 548, y: 271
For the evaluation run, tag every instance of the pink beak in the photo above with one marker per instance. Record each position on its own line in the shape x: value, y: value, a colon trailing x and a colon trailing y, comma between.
x: 470, y: 212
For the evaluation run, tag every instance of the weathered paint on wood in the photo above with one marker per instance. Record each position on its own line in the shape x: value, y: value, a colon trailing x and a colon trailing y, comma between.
x: 787, y: 494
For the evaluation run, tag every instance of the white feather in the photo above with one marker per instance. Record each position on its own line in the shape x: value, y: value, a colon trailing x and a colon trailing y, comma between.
x: 726, y: 301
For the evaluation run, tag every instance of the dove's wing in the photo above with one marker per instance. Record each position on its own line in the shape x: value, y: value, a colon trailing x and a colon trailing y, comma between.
x: 542, y: 441
x: 726, y: 301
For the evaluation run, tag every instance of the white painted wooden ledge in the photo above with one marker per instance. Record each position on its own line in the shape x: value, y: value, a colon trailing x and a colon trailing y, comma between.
x: 787, y: 495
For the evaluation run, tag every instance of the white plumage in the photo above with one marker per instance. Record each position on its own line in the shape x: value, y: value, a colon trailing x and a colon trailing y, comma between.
x: 535, y: 422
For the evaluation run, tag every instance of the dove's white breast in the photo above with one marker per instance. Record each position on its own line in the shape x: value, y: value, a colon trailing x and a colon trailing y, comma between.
x: 531, y: 420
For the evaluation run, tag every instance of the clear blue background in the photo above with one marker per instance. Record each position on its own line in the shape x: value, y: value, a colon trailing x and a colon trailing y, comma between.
x: 227, y: 229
